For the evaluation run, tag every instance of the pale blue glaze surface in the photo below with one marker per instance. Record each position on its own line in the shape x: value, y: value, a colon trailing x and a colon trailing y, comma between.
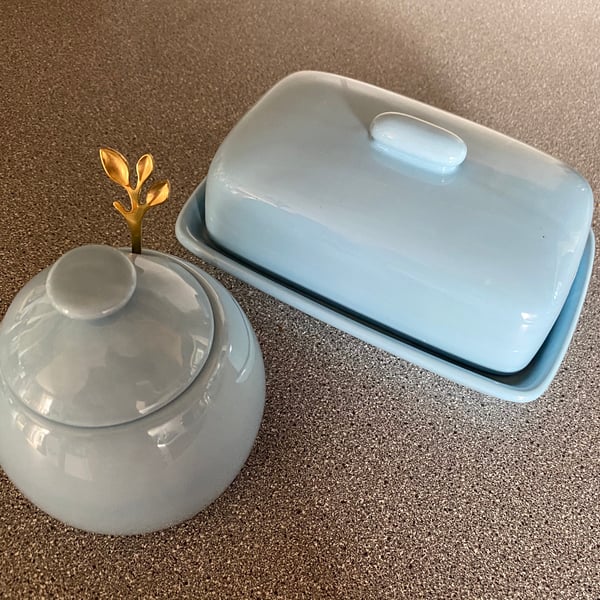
x: 476, y: 263
x: 524, y: 386
x: 157, y: 470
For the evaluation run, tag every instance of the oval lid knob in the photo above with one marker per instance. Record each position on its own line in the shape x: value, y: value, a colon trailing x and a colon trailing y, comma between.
x: 417, y: 142
x: 91, y: 282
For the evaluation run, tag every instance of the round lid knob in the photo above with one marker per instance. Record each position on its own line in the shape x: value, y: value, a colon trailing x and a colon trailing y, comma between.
x: 91, y: 282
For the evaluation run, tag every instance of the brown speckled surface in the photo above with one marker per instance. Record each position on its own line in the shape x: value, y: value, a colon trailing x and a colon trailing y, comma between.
x: 370, y: 478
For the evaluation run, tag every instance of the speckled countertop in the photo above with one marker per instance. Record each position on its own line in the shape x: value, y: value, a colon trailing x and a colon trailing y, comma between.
x: 370, y: 478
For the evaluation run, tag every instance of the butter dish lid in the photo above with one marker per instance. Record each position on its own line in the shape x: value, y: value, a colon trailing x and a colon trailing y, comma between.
x: 104, y: 337
x: 418, y: 220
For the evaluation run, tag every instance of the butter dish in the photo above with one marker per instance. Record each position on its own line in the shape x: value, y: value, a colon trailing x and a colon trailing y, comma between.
x: 420, y: 225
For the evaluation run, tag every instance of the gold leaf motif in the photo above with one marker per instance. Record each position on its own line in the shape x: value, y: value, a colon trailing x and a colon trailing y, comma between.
x: 144, y: 168
x: 158, y: 193
x: 117, y: 168
x: 115, y: 165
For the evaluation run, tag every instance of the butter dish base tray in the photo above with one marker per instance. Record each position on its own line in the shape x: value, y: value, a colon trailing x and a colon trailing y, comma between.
x: 523, y: 386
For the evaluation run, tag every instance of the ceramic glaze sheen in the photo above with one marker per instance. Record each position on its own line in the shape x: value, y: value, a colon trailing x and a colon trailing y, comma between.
x: 475, y: 263
x: 157, y: 470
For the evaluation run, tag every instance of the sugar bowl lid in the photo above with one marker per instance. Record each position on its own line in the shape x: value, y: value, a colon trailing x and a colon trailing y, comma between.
x: 104, y: 337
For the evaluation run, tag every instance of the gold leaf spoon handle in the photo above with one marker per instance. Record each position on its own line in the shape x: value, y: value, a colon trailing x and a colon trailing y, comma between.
x: 117, y: 168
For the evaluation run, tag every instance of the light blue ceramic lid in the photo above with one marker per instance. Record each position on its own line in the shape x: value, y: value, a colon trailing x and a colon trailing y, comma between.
x: 425, y: 223
x: 104, y: 337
